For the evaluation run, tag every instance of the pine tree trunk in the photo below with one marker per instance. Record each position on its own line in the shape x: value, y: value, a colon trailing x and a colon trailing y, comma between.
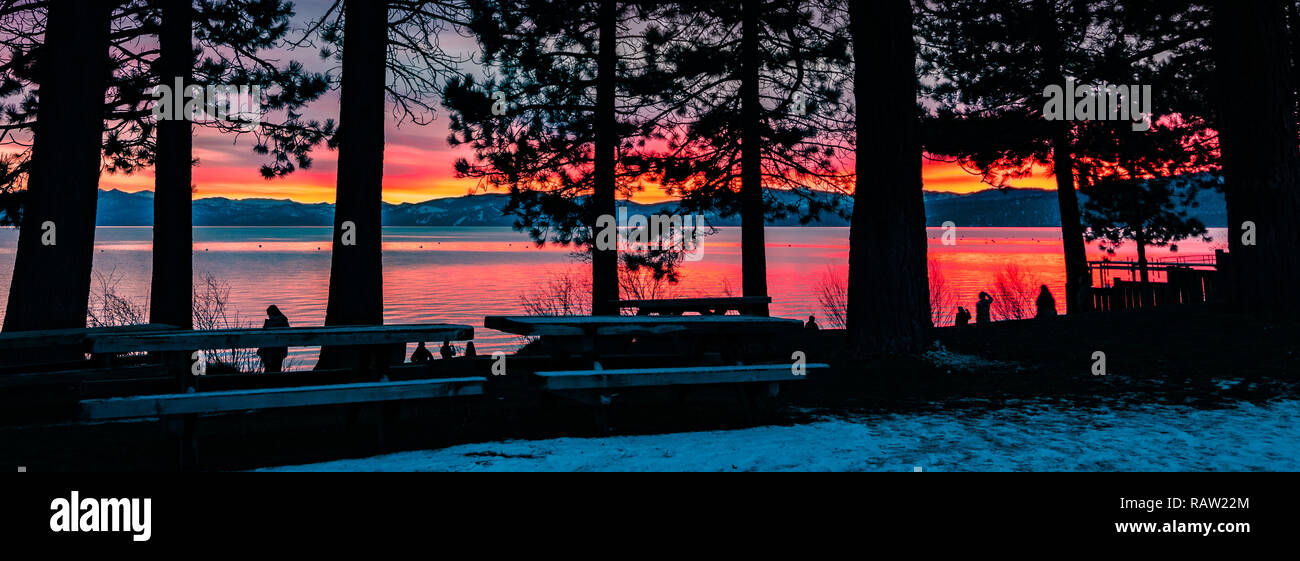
x: 753, y: 241
x: 171, y: 292
x: 51, y: 278
x: 1143, y: 270
x: 1257, y: 137
x: 356, y: 293
x: 1078, y: 280
x: 604, y: 263
x: 888, y: 301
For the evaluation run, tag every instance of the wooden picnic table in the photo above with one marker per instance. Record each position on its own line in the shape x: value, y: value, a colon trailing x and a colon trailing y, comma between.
x: 688, y: 335
x: 174, y: 345
x: 750, y: 305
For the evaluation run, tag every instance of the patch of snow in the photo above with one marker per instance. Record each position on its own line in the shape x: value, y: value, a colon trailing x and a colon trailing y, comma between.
x: 1030, y: 437
x: 944, y: 358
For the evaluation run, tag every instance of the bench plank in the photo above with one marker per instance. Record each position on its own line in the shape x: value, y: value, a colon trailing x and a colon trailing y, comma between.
x: 694, y: 302
x: 74, y: 377
x: 244, y: 400
x: 702, y: 306
x: 642, y: 377
x: 570, y: 326
x: 277, y: 337
x: 74, y: 337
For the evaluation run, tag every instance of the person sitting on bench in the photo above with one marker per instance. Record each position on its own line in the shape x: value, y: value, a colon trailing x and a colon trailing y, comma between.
x: 446, y: 351
x: 421, y: 354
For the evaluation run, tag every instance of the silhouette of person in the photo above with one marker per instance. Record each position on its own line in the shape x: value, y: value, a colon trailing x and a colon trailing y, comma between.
x: 984, y: 309
x: 421, y: 354
x: 963, y: 316
x: 446, y: 351
x: 812, y: 324
x: 1046, y: 304
x: 273, y: 357
x: 469, y: 350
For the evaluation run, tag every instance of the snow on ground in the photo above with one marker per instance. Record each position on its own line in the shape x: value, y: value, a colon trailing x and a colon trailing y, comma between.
x: 944, y: 358
x: 1030, y: 437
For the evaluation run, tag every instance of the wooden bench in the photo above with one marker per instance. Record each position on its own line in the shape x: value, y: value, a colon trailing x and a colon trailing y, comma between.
x: 124, y: 393
x: 249, y: 400
x: 596, y: 387
x: 745, y: 305
x: 107, y: 342
x: 644, y: 377
x: 185, y: 408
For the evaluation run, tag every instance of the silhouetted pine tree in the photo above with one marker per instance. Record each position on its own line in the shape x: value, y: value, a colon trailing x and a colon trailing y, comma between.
x: 1258, y: 139
x: 51, y: 279
x: 356, y: 292
x: 745, y: 97
x: 389, y: 50
x: 1140, y: 184
x: 889, y: 298
x: 152, y: 46
x: 1145, y: 212
x: 992, y: 61
x: 553, y: 123
x: 171, y: 291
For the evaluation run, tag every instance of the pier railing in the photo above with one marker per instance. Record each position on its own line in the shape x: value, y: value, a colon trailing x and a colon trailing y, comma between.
x: 1171, y: 281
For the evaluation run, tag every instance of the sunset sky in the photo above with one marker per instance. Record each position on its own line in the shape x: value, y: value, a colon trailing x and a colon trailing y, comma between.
x: 417, y: 167
x: 417, y: 160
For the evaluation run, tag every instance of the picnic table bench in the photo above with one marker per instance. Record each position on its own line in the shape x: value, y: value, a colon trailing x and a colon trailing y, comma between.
x: 275, y: 398
x: 745, y: 305
x: 154, y: 338
x: 375, y: 344
x: 595, y: 386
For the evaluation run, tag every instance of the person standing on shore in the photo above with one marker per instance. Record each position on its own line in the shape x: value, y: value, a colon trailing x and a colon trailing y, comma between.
x: 273, y: 357
x: 984, y: 309
x: 1046, y: 304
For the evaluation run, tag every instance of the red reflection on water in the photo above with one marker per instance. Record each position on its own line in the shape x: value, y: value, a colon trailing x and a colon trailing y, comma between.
x: 450, y: 275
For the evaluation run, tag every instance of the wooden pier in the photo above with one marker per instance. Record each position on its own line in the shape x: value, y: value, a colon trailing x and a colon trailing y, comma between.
x: 1181, y: 281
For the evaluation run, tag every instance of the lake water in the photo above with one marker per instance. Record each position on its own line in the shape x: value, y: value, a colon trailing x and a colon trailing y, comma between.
x: 460, y: 275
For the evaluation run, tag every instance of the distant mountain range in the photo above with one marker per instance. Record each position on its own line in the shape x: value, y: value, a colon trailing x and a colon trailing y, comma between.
x: 989, y: 208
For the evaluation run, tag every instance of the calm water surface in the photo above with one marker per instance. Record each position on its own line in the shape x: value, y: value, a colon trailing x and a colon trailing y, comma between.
x: 459, y: 275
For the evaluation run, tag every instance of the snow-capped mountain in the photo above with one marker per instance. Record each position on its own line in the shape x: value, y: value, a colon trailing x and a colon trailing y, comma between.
x: 989, y: 208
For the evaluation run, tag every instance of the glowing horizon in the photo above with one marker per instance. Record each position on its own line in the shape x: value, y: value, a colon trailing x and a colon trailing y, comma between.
x: 418, y: 169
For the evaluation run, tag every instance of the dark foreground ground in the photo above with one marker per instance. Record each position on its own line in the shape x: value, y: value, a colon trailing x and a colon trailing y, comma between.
x: 1197, y: 358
